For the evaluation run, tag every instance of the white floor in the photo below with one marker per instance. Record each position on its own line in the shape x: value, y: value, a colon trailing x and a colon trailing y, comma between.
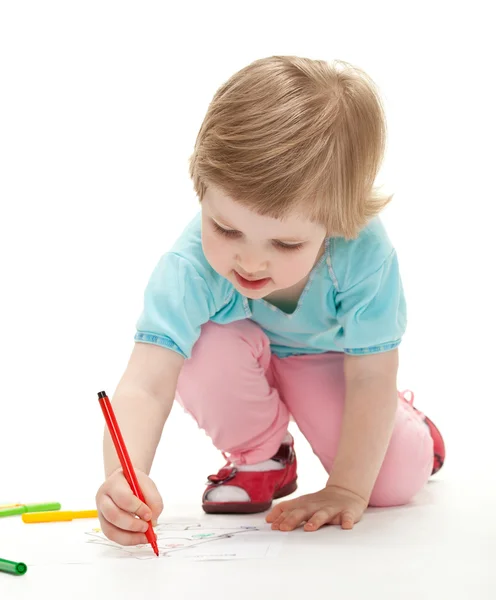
x: 432, y: 549
x: 442, y: 546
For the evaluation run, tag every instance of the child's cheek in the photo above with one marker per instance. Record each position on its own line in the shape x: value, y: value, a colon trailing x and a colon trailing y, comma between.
x: 215, y: 253
x: 294, y: 268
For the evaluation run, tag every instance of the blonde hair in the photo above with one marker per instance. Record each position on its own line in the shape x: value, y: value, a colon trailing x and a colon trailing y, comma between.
x: 288, y: 133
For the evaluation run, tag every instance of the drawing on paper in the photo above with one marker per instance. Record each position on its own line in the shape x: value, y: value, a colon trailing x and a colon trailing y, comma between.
x: 191, y: 540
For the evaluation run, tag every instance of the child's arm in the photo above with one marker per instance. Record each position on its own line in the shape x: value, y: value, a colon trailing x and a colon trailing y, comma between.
x: 142, y: 402
x: 368, y: 421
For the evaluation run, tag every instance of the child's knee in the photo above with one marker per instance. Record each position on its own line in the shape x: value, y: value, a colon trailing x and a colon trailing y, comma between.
x: 222, y: 357
x: 405, y: 470
x: 227, y: 344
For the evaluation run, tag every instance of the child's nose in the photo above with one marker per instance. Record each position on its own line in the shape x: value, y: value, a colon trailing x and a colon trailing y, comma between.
x: 251, y: 263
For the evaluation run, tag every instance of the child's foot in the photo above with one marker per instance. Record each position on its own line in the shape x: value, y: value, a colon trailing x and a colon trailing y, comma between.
x: 439, y: 449
x: 251, y: 488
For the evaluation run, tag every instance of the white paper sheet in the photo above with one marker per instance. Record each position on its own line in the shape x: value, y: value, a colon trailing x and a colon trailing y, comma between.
x: 192, y: 540
x: 81, y: 542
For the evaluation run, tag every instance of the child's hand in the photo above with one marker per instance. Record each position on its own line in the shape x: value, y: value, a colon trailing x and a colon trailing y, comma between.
x: 118, y: 507
x: 332, y: 505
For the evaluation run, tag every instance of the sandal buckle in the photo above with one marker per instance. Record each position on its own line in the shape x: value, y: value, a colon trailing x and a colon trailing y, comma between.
x: 222, y: 476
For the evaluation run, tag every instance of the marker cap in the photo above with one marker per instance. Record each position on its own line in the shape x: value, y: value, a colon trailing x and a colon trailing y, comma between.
x: 14, y: 568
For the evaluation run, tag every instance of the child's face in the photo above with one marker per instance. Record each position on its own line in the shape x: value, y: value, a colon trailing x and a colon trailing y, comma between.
x: 257, y: 254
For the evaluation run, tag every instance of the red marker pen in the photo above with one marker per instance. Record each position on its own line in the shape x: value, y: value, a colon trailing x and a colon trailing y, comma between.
x: 127, y: 467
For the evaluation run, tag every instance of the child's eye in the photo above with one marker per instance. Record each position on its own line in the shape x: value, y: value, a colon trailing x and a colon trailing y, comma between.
x: 283, y: 246
x: 225, y: 232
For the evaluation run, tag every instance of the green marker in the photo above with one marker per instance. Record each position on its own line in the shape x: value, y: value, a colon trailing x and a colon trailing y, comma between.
x: 14, y: 568
x: 24, y: 508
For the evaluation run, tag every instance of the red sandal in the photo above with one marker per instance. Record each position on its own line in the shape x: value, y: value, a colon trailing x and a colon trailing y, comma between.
x: 439, y: 449
x: 261, y: 486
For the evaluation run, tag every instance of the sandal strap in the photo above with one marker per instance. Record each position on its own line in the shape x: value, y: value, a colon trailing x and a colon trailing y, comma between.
x: 259, y: 485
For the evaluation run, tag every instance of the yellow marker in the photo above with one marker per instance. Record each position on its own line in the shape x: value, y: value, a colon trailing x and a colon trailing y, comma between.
x: 59, y: 515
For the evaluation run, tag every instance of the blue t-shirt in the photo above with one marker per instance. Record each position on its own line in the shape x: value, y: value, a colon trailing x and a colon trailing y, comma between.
x: 353, y: 301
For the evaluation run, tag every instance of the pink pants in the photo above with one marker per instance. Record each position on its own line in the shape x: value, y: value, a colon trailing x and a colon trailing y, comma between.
x: 243, y: 397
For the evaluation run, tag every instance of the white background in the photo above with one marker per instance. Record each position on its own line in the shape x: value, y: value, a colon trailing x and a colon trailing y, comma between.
x: 100, y: 104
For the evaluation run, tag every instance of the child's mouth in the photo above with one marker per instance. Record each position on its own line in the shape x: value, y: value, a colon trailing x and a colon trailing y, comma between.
x: 257, y: 284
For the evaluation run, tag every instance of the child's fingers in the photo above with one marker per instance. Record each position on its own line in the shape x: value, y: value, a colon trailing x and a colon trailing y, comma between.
x: 277, y: 522
x: 347, y: 520
x: 321, y: 517
x: 152, y: 496
x: 273, y: 515
x: 124, y: 538
x: 125, y: 499
x: 118, y: 517
x: 276, y: 512
x: 294, y: 519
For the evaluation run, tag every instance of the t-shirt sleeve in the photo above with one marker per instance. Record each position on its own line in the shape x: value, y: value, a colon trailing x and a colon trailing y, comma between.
x: 177, y: 303
x: 372, y: 312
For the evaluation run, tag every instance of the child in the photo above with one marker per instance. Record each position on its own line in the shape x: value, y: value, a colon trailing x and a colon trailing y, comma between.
x: 281, y: 300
